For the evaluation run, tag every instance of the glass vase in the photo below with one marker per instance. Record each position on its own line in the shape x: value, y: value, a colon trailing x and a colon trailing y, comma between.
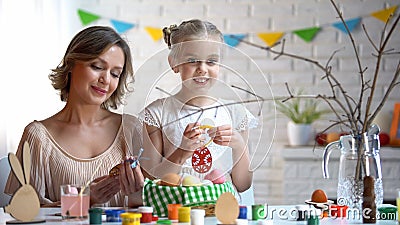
x: 359, y: 158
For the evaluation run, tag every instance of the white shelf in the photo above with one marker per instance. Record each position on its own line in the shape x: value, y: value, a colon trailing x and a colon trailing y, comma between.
x: 311, y: 153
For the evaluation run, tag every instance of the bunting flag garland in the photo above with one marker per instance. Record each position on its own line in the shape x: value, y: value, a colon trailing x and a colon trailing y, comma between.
x: 270, y: 38
x: 87, y: 17
x: 233, y: 39
x: 121, y: 27
x: 155, y: 33
x: 307, y: 34
x: 384, y: 15
x: 351, y: 24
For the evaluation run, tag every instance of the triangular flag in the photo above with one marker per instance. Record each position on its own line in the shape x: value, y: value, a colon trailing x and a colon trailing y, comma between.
x: 351, y: 24
x: 233, y: 39
x: 384, y: 14
x: 120, y: 26
x: 307, y: 34
x: 87, y: 17
x: 270, y: 38
x: 155, y: 33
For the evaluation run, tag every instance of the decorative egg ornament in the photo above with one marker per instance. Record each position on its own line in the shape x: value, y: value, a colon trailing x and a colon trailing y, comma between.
x: 227, y: 208
x: 202, y: 160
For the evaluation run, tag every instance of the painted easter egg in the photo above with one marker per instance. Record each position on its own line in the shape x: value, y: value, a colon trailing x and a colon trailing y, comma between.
x: 216, y: 176
x: 202, y: 160
x: 170, y: 179
x: 190, y: 180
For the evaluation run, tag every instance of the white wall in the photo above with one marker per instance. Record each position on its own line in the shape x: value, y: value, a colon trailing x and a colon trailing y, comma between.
x: 35, y: 37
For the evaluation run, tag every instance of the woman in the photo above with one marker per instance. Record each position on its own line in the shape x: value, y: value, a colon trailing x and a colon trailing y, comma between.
x: 85, y: 139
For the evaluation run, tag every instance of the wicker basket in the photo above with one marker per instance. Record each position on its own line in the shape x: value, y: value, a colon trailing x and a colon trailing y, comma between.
x: 209, y: 209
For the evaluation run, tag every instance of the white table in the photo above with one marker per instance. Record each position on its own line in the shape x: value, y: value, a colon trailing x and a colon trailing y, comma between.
x: 277, y: 215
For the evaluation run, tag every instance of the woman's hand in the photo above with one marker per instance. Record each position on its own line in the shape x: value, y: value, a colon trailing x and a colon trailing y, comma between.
x: 51, y: 205
x: 130, y: 179
x: 102, y: 189
x: 224, y: 135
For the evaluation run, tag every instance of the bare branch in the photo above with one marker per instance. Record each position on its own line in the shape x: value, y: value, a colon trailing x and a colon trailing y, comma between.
x: 369, y: 38
x: 330, y: 59
x: 384, y: 42
x: 392, y: 84
x: 356, y: 54
x: 352, y: 108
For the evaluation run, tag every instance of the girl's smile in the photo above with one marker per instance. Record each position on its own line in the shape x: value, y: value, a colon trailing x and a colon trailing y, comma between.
x: 201, y: 80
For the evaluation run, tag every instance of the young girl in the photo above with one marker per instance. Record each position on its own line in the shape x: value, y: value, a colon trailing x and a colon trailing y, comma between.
x: 178, y: 125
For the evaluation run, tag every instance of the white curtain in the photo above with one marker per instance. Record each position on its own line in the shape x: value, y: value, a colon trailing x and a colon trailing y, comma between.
x: 33, y: 39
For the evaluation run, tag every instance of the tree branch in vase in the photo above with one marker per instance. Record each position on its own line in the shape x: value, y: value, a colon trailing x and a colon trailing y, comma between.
x: 355, y: 112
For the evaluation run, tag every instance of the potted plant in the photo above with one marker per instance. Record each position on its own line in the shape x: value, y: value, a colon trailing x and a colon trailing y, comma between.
x: 302, y: 112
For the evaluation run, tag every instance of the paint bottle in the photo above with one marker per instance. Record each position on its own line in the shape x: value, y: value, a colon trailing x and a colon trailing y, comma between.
x: 95, y: 215
x: 242, y: 212
x: 173, y: 211
x: 197, y: 216
x: 113, y: 215
x: 184, y: 215
x: 130, y: 218
x: 147, y: 214
x: 258, y: 212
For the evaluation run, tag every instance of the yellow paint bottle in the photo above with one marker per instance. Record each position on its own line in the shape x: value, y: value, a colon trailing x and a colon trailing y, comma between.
x: 184, y: 215
x: 130, y: 218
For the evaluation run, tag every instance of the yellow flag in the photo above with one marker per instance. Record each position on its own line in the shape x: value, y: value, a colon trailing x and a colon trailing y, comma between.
x: 270, y: 38
x: 384, y: 14
x: 155, y: 33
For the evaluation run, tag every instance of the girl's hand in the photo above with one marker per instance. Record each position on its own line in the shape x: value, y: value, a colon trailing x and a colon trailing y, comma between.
x: 192, y: 137
x: 102, y: 189
x: 224, y: 135
x: 131, y: 180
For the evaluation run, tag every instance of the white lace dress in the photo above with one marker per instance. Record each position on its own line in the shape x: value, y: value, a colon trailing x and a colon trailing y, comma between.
x: 172, y: 116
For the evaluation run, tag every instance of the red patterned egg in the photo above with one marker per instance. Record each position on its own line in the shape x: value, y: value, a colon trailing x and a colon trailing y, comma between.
x: 202, y: 160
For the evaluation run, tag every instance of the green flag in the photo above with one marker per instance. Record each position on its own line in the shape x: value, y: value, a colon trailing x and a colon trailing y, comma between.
x: 87, y: 17
x: 307, y: 34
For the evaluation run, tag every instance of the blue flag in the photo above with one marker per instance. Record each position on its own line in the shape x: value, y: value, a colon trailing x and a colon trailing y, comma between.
x: 351, y: 24
x: 121, y: 27
x: 233, y: 39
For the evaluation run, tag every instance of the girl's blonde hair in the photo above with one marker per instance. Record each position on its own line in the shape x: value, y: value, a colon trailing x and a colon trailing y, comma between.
x: 191, y: 30
x: 177, y: 37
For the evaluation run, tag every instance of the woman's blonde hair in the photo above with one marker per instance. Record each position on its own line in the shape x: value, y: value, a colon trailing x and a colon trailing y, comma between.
x: 87, y: 45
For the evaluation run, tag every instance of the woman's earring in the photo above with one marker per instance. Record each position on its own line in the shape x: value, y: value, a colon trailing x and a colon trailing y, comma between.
x: 175, y: 69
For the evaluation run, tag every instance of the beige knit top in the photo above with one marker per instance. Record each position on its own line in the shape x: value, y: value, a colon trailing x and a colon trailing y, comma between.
x: 52, y: 166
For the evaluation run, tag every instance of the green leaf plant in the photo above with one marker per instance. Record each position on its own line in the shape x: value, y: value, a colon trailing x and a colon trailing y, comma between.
x: 301, y: 110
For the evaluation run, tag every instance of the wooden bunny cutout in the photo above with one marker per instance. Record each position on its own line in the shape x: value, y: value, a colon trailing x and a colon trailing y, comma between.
x: 24, y: 205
